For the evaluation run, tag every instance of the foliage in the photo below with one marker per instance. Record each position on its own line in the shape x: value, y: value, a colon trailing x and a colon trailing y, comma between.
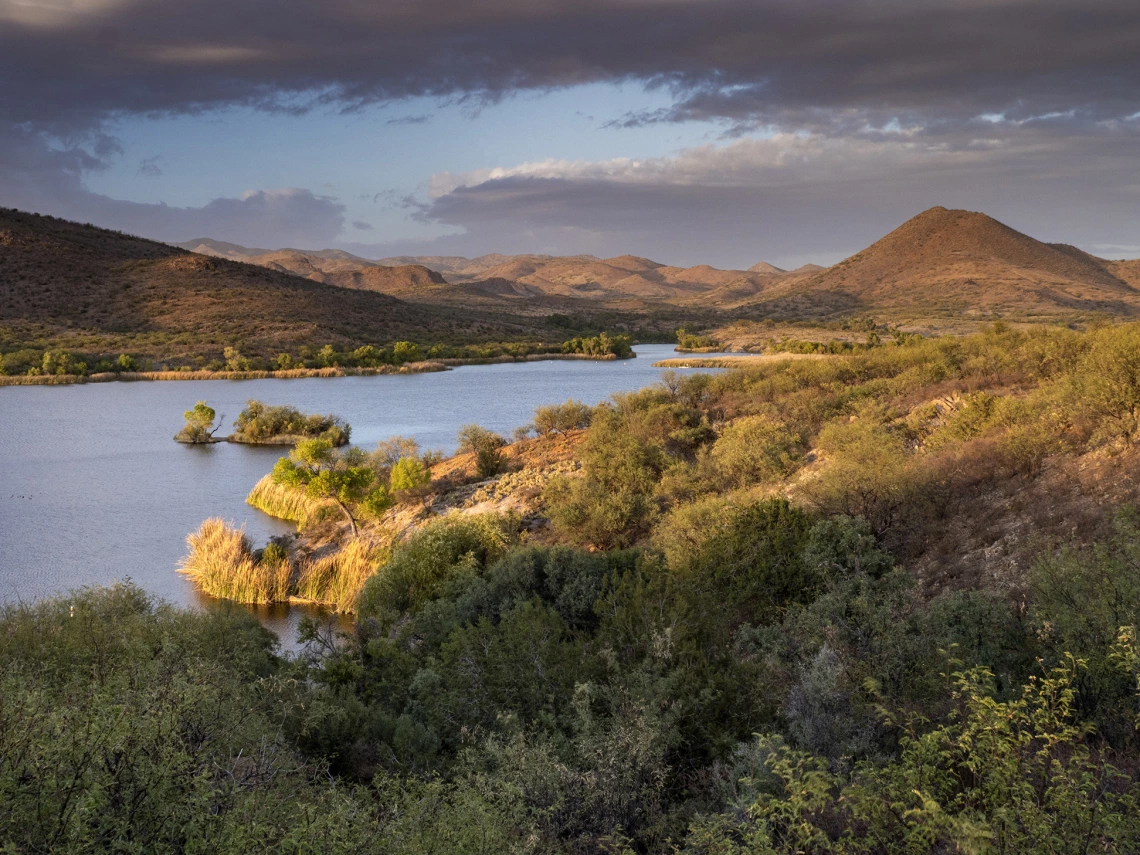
x: 199, y: 425
x: 259, y: 422
x: 561, y: 418
x: 755, y: 449
x: 487, y: 446
x: 407, y: 474
x: 340, y: 477
x: 602, y: 344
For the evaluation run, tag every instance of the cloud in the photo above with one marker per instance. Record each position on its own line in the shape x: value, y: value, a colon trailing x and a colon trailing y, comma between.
x: 810, y: 62
x: 791, y: 198
x: 873, y: 105
x: 36, y: 176
x: 150, y: 168
x: 361, y: 225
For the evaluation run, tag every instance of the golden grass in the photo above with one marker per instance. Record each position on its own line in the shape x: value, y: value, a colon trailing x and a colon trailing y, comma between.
x: 284, y: 502
x: 337, y: 579
x: 221, y: 564
x: 741, y: 361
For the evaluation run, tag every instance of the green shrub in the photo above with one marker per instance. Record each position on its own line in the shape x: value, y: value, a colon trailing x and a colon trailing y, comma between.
x: 755, y: 449
x: 487, y: 447
x: 560, y: 418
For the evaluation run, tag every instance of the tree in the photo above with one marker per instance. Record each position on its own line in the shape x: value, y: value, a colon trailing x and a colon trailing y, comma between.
x: 324, y: 473
x: 407, y: 474
x: 199, y: 425
x: 487, y: 446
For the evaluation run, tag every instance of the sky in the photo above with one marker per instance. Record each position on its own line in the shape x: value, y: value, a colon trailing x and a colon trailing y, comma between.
x: 724, y: 132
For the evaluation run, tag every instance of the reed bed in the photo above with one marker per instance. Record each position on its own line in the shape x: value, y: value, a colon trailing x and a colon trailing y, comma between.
x: 221, y: 563
x: 337, y: 579
x: 742, y: 361
x: 284, y: 502
x: 106, y: 377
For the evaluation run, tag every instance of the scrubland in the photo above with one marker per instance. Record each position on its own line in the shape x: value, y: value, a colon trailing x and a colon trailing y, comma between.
x: 878, y: 602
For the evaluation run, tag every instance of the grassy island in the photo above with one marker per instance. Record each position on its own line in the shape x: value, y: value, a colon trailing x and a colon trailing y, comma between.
x: 261, y: 424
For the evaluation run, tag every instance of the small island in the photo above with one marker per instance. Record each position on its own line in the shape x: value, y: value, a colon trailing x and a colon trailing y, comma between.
x: 261, y: 424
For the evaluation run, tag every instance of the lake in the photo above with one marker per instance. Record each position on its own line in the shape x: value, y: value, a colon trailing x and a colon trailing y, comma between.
x: 93, y: 489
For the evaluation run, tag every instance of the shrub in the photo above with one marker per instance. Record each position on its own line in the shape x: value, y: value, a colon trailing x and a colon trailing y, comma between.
x: 560, y: 418
x: 259, y: 422
x: 456, y: 544
x: 487, y: 447
x: 755, y: 449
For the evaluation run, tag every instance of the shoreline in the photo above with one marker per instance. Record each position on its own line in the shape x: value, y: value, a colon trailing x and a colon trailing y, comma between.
x: 425, y: 367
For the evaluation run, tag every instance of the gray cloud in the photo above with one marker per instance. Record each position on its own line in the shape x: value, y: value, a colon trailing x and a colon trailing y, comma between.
x: 150, y: 168
x: 792, y: 199
x: 37, y: 177
x: 69, y: 65
x: 1062, y: 77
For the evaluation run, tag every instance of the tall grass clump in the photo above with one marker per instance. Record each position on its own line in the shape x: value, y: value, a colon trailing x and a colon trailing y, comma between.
x: 222, y: 564
x: 337, y: 580
x: 284, y: 501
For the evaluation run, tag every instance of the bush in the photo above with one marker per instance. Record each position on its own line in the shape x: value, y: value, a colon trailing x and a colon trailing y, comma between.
x: 487, y: 447
x: 454, y: 545
x: 407, y: 474
x: 259, y: 422
x: 560, y: 418
x: 755, y: 449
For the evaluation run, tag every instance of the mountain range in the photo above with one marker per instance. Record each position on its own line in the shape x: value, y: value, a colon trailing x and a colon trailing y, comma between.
x: 941, y: 263
x: 97, y: 289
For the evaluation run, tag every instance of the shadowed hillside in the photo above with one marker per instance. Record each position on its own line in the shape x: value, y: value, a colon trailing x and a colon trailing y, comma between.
x: 88, y: 288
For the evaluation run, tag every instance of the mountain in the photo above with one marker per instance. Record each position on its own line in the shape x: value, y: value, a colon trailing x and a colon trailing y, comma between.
x: 949, y: 261
x: 333, y: 267
x: 86, y: 288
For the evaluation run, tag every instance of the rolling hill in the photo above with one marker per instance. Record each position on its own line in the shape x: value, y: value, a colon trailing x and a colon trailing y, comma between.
x: 86, y: 288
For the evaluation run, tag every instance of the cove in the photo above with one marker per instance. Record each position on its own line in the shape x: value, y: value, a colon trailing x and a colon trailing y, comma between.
x: 94, y: 490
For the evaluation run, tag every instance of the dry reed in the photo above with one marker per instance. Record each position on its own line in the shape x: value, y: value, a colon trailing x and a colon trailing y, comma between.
x: 336, y: 580
x: 284, y: 502
x: 742, y: 361
x: 221, y: 564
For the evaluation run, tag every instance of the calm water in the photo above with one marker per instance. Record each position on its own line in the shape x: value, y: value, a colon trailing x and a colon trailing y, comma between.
x: 93, y: 489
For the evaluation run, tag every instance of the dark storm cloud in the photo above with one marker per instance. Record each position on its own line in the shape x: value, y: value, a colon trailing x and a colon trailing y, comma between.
x: 68, y: 64
x: 902, y: 84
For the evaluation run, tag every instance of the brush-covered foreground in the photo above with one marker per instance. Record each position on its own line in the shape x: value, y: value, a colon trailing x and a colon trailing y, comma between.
x: 799, y: 695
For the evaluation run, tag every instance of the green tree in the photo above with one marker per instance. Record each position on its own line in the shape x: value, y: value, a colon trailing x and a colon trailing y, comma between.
x: 407, y: 474
x: 324, y: 473
x: 406, y: 351
x: 199, y: 425
x: 234, y: 360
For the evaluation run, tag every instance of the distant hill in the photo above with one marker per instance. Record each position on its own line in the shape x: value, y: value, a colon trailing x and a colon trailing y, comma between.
x: 944, y: 261
x: 92, y: 289
x: 331, y: 267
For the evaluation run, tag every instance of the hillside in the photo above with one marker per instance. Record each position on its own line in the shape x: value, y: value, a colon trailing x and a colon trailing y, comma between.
x: 960, y: 262
x: 81, y: 287
x: 348, y: 271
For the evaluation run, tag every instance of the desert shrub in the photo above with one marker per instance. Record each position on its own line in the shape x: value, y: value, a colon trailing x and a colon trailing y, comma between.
x: 1108, y: 380
x: 755, y: 449
x: 487, y: 446
x: 453, y: 545
x: 754, y: 560
x: 613, y: 504
x: 560, y: 418
x: 682, y: 531
x: 1080, y: 598
x: 869, y: 473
